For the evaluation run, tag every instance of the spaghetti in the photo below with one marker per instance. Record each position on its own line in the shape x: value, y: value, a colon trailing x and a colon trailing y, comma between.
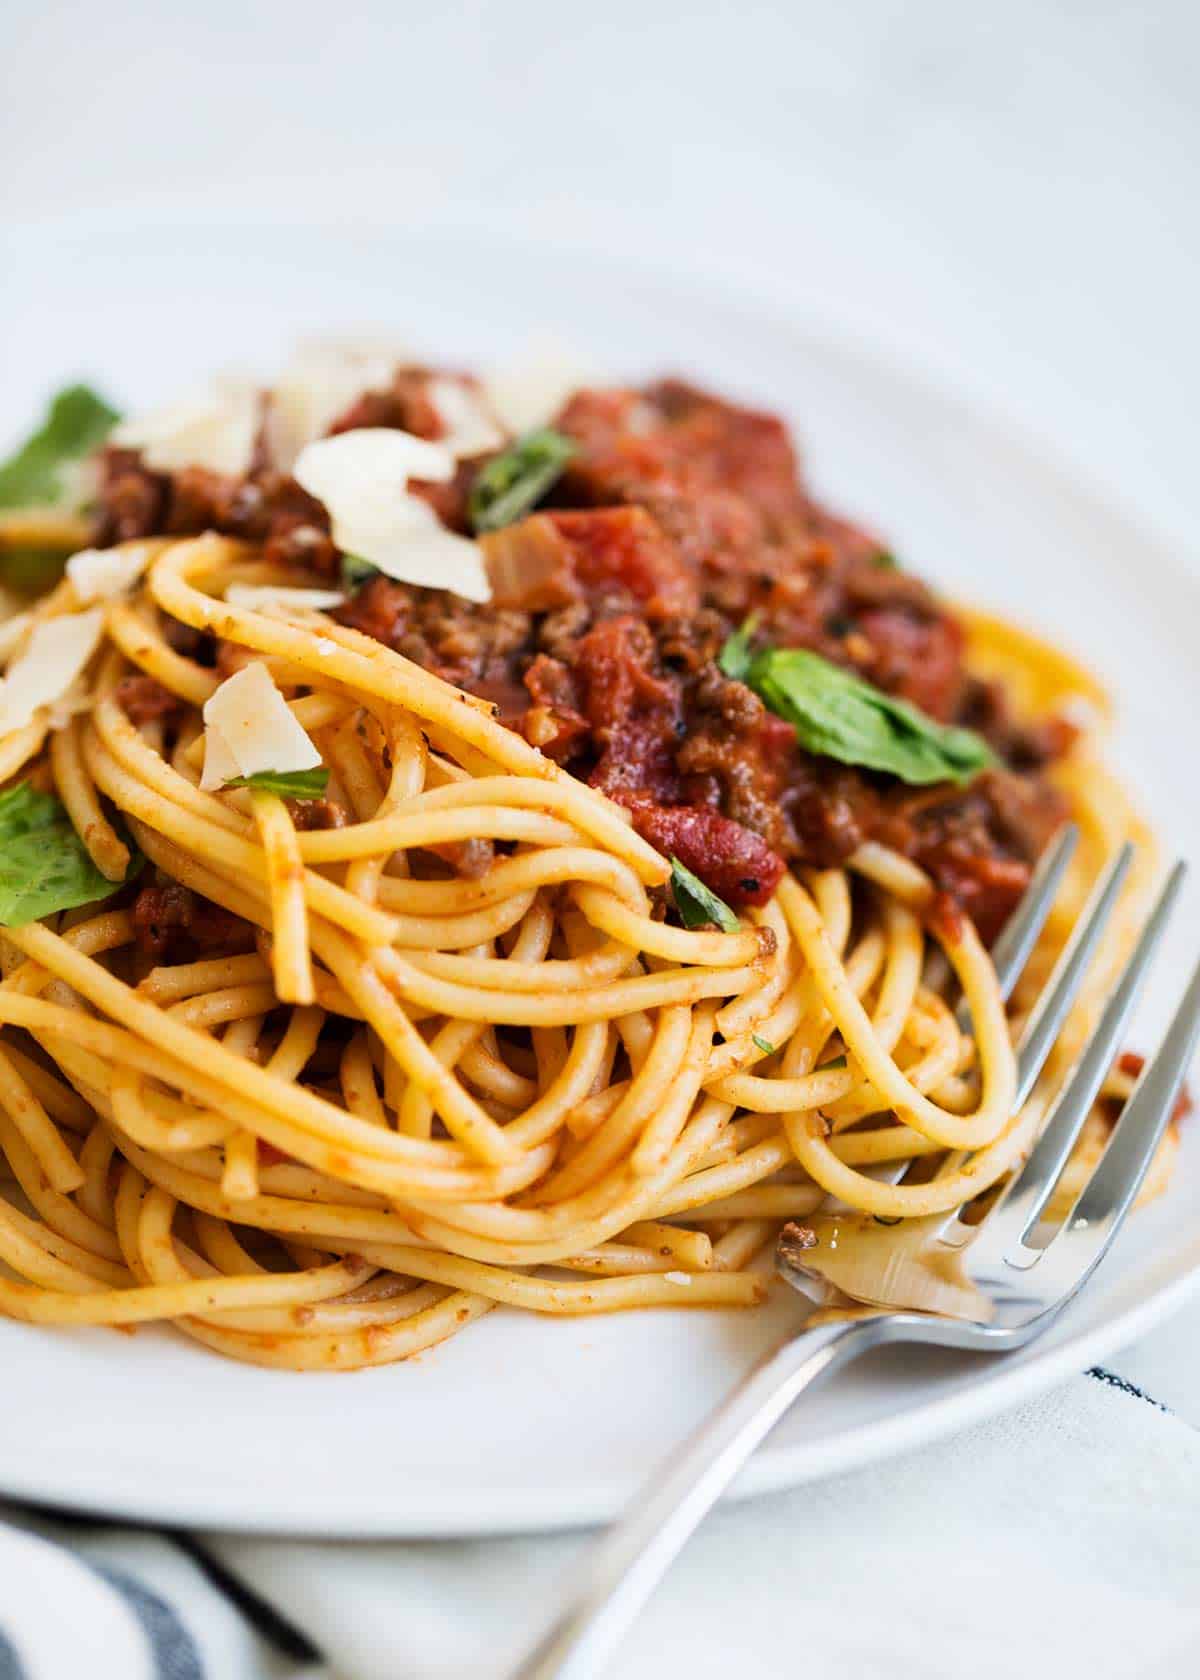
x: 399, y: 1091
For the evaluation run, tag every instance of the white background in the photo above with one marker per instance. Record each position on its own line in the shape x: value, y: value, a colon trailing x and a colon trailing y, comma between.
x: 1003, y: 193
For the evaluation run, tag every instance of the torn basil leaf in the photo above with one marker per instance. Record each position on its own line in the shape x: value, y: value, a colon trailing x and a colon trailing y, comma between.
x: 77, y: 422
x: 44, y: 865
x: 735, y: 658
x: 697, y: 904
x: 763, y: 1044
x: 512, y: 484
x: 288, y: 784
x: 838, y: 715
x: 356, y: 571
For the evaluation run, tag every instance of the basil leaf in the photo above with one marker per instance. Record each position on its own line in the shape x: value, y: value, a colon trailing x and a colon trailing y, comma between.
x: 356, y: 571
x: 696, y: 904
x: 884, y: 560
x: 288, y: 784
x: 838, y: 715
x: 44, y: 865
x: 837, y: 1062
x: 735, y: 658
x: 514, y: 482
x: 78, y: 421
x: 764, y: 1044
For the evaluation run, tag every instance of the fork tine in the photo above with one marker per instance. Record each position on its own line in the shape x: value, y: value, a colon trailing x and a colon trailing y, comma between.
x: 1062, y: 988
x: 1011, y: 951
x: 1057, y: 995
x: 1095, y: 1219
x: 1020, y: 1207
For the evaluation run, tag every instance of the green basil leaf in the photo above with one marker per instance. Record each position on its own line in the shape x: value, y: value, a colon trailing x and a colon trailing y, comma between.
x: 288, y: 784
x: 884, y: 560
x: 735, y: 658
x: 764, y: 1044
x: 78, y: 421
x: 837, y: 1062
x: 696, y: 904
x: 514, y: 482
x: 838, y: 715
x: 44, y: 865
x: 356, y: 571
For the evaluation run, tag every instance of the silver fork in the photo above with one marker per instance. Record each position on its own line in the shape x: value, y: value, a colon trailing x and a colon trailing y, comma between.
x: 1028, y: 1286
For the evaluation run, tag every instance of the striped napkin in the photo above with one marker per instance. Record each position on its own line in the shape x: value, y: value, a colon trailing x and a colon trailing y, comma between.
x: 1061, y: 1539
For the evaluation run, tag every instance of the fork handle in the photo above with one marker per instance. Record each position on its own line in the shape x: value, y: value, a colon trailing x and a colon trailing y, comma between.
x: 627, y: 1563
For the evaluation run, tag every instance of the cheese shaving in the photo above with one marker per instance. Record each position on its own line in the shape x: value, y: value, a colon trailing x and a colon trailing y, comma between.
x: 101, y: 574
x: 53, y: 659
x: 323, y: 380
x: 362, y: 479
x: 215, y: 430
x: 249, y: 727
x: 530, y: 392
x: 469, y: 428
x: 11, y: 632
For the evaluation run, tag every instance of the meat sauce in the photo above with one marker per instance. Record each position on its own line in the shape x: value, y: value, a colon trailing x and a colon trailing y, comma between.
x: 680, y: 515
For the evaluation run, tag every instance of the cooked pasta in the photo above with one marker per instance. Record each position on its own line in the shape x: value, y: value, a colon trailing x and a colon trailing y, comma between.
x: 427, y: 1024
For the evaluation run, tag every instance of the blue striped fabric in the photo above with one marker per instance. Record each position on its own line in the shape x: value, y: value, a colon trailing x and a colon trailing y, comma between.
x: 175, y: 1653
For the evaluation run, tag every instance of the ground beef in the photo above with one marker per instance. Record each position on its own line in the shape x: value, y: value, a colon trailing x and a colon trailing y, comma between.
x: 145, y: 700
x: 308, y: 814
x: 174, y: 924
x: 680, y: 515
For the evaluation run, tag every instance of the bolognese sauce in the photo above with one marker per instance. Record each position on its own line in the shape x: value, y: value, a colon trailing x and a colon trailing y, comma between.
x: 680, y: 517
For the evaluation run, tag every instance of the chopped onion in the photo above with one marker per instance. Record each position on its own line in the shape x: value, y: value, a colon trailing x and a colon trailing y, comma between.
x: 529, y: 565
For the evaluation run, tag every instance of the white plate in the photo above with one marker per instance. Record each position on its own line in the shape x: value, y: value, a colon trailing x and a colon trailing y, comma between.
x: 525, y: 1422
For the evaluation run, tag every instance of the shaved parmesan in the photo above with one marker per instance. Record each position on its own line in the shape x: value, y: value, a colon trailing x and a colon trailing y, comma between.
x: 372, y: 463
x: 530, y: 393
x: 362, y: 479
x: 320, y: 383
x: 249, y: 727
x: 277, y: 598
x: 469, y: 428
x: 220, y: 766
x: 100, y: 574
x: 53, y: 659
x: 215, y: 430
x: 11, y: 632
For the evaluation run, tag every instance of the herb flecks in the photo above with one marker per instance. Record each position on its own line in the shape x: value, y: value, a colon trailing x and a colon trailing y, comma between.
x: 698, y: 905
x: 513, y: 483
x: 288, y: 784
x: 355, y: 571
x: 736, y: 657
